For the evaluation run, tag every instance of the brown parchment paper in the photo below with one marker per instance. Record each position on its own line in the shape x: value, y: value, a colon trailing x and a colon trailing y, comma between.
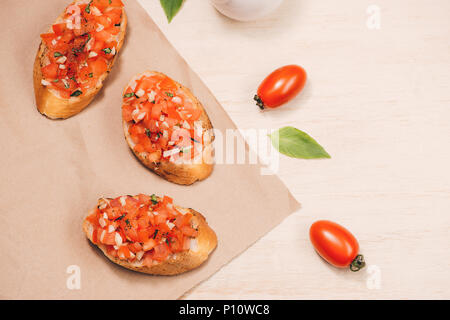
x: 53, y: 172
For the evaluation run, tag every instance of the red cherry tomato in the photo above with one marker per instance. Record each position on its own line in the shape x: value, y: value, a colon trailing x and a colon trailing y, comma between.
x: 336, y: 245
x: 280, y: 86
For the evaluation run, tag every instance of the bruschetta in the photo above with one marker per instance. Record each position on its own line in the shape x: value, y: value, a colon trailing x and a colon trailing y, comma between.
x: 167, y: 128
x: 150, y: 234
x: 76, y: 55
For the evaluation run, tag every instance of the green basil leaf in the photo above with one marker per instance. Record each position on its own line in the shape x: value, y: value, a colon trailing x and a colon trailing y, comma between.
x: 57, y: 54
x: 295, y: 143
x: 171, y: 8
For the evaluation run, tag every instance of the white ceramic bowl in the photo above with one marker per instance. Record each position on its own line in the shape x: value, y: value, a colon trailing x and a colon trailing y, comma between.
x: 246, y: 10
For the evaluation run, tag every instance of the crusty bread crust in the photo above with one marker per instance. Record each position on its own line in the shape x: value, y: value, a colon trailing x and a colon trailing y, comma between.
x: 180, y: 173
x: 55, y: 107
x: 177, y: 263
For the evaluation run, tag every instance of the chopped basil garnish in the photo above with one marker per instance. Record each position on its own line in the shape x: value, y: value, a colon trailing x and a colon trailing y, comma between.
x: 169, y: 94
x: 88, y: 8
x: 76, y: 93
x: 121, y: 217
x: 57, y: 54
x: 147, y: 132
x: 56, y: 80
x: 154, y: 199
x: 90, y: 75
x: 156, y: 232
x: 107, y: 50
x: 117, y: 25
x: 128, y: 95
x: 153, y: 101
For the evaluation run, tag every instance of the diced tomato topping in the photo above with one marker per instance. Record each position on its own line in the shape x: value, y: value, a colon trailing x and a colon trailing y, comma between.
x: 111, y: 251
x: 78, y: 54
x: 103, y: 4
x: 131, y: 233
x: 156, y: 112
x: 143, y: 198
x: 67, y: 37
x: 85, y: 73
x: 95, y: 239
x: 148, y: 261
x: 160, y: 218
x: 141, y: 224
x: 149, y: 244
x: 168, y: 85
x: 113, y: 30
x: 99, y: 67
x: 50, y: 71
x: 135, y: 247
x: 182, y: 220
x: 112, y: 213
x: 116, y: 3
x: 108, y: 238
x: 143, y: 235
x: 124, y: 252
x: 98, y: 45
x: 115, y: 16
x: 186, y: 243
x: 102, y: 36
x: 139, y: 148
x: 104, y: 21
x: 190, y: 232
x: 127, y: 111
x: 162, y: 118
x: 48, y: 38
x: 167, y: 200
x: 59, y: 28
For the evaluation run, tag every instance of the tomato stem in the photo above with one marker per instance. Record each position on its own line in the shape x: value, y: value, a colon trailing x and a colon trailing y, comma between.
x: 259, y: 102
x: 358, y: 263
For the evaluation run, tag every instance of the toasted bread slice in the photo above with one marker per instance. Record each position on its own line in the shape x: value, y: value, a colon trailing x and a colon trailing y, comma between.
x: 178, y: 172
x: 201, y: 247
x: 48, y: 101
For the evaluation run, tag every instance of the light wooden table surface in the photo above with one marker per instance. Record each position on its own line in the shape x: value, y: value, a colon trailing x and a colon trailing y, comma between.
x: 378, y: 101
